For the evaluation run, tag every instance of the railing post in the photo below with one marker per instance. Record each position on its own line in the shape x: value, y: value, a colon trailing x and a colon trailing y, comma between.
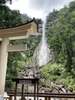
x: 10, y: 97
x: 34, y: 91
x: 22, y: 95
x: 49, y: 98
x: 15, y: 91
x: 45, y: 98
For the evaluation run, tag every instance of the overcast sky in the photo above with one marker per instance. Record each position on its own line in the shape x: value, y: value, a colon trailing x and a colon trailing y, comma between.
x: 37, y: 8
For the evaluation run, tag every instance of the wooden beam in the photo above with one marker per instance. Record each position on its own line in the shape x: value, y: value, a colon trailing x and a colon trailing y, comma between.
x: 28, y: 28
x: 26, y: 36
x: 17, y: 48
x: 23, y: 37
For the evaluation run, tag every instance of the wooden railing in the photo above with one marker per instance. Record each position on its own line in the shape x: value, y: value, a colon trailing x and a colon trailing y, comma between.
x: 6, y: 98
x: 46, y: 96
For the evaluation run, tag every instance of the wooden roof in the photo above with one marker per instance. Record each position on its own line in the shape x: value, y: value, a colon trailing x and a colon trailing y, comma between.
x: 26, y: 80
x: 22, y: 30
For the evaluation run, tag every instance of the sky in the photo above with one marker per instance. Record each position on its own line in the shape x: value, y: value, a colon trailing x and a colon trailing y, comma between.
x: 37, y: 8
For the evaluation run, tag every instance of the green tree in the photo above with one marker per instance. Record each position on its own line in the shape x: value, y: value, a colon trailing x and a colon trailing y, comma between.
x: 60, y: 35
x: 60, y: 30
x: 9, y: 18
x: 4, y: 1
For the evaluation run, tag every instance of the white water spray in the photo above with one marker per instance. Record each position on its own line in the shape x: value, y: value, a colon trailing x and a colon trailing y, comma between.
x: 42, y: 53
x: 43, y: 57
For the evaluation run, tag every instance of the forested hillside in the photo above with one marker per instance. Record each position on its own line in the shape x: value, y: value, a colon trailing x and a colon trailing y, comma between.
x: 60, y: 30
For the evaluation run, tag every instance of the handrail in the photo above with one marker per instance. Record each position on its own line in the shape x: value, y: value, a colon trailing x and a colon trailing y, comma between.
x: 55, y: 95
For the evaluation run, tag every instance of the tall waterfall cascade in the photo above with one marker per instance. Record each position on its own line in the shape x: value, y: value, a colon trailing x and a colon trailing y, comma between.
x: 42, y: 53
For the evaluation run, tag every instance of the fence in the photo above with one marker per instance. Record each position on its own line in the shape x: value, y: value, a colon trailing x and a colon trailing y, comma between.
x: 42, y: 96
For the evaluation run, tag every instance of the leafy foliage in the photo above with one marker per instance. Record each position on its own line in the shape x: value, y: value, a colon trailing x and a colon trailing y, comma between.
x: 60, y: 35
x: 55, y: 73
x: 60, y: 30
x: 9, y: 18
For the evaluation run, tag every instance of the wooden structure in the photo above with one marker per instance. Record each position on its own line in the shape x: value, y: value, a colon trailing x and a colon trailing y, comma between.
x: 47, y: 96
x: 19, y: 32
x: 26, y: 81
x: 29, y: 28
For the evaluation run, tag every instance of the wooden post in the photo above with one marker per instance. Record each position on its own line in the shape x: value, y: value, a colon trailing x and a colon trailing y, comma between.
x: 22, y: 97
x: 45, y: 98
x: 10, y: 97
x: 49, y: 98
x: 15, y: 91
x: 3, y: 63
x: 37, y: 84
x: 34, y: 91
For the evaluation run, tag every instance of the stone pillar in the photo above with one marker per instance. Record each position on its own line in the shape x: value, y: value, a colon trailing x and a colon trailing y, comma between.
x: 3, y: 63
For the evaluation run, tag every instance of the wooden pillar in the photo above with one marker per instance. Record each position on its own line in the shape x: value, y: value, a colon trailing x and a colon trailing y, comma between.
x: 3, y: 63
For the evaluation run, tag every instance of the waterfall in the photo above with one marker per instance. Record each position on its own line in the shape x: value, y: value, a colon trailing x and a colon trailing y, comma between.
x: 42, y: 54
